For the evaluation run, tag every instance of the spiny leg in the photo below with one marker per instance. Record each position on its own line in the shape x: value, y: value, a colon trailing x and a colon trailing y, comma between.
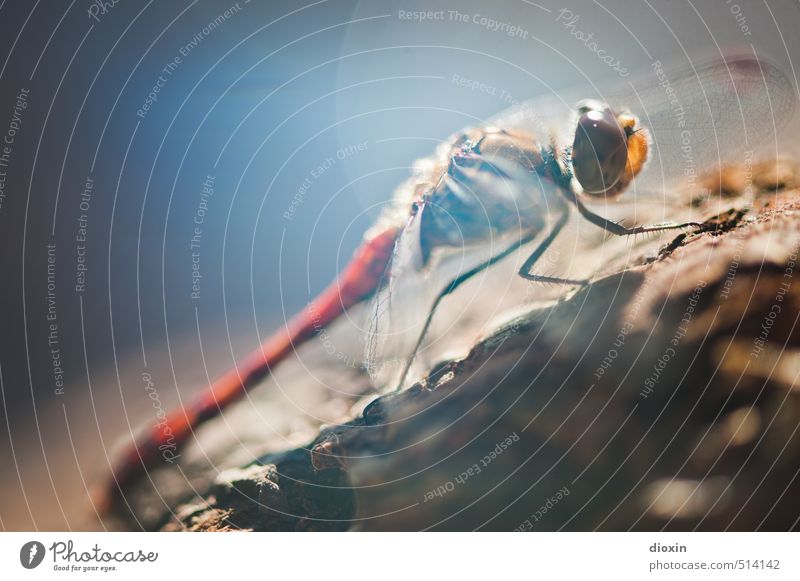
x: 619, y: 229
x: 454, y: 284
x: 525, y: 269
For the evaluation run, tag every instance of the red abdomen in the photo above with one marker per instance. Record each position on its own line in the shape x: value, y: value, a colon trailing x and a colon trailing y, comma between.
x: 356, y: 282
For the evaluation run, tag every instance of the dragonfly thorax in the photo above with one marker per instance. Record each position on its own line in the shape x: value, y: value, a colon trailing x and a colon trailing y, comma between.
x: 493, y: 183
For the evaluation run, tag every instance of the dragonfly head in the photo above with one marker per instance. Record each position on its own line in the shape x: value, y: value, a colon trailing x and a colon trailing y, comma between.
x: 609, y: 149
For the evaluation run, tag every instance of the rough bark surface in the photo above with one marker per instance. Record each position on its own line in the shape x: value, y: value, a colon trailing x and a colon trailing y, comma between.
x: 662, y: 396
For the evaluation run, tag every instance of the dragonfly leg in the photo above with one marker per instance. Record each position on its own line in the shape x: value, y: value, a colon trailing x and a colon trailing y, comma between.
x: 451, y: 287
x: 525, y: 270
x: 619, y: 229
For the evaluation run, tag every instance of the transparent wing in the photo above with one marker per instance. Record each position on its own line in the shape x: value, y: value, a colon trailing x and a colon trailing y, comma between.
x: 703, y: 117
x: 699, y: 115
x: 396, y: 313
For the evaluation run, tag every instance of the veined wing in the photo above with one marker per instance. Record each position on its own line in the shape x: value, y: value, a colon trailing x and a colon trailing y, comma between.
x: 476, y: 207
x: 393, y: 315
x: 699, y: 116
x: 397, y: 313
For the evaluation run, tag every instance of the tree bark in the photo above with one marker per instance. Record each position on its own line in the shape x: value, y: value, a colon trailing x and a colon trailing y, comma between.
x: 662, y: 396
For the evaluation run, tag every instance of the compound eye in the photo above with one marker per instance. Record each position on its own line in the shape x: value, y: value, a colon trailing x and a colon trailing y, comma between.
x: 600, y: 150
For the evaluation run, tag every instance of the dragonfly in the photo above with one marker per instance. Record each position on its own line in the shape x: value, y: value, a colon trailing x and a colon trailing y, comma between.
x: 515, y: 182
